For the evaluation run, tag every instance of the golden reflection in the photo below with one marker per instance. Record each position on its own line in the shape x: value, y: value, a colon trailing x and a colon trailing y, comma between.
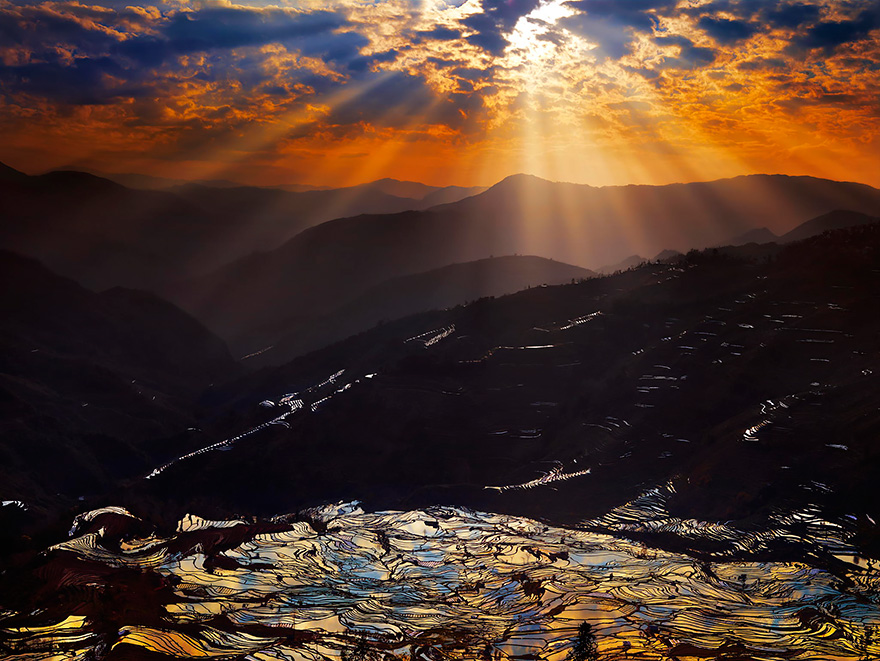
x: 460, y: 581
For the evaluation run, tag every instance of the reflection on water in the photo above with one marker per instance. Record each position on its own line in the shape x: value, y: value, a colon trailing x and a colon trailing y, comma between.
x: 452, y: 583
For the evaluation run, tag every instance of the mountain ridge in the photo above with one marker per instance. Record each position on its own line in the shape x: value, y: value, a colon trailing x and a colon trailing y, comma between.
x: 330, y: 264
x: 445, y: 287
x: 587, y: 375
x: 835, y: 219
x: 104, y: 234
x: 94, y: 384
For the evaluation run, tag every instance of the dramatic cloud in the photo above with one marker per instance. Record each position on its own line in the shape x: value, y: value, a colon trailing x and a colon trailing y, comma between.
x: 828, y: 35
x: 446, y: 90
x: 727, y: 31
x: 612, y: 24
x: 495, y: 21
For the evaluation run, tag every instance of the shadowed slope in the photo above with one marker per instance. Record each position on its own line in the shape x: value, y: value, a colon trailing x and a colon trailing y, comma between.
x: 331, y: 264
x: 90, y: 383
x: 104, y: 234
x: 441, y: 288
x: 740, y: 380
x: 834, y: 220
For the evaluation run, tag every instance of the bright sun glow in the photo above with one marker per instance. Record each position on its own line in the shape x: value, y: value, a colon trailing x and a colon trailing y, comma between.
x: 445, y: 91
x: 532, y: 52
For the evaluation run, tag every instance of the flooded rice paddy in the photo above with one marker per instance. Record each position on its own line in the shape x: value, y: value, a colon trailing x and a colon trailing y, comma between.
x: 449, y: 583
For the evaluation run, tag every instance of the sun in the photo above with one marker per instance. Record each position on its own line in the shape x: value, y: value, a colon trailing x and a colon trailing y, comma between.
x: 532, y: 51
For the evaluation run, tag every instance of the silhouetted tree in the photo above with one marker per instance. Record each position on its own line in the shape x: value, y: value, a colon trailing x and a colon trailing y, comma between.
x: 585, y: 647
x: 361, y: 652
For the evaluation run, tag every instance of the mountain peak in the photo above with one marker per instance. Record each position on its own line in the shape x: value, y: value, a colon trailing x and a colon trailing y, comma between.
x: 836, y: 219
x: 7, y: 173
x: 522, y: 178
x: 77, y: 178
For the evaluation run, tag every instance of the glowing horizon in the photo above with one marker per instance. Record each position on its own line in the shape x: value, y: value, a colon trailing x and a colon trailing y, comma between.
x: 444, y: 92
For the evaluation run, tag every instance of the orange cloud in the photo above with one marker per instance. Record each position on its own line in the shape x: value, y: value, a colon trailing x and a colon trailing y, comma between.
x: 447, y: 92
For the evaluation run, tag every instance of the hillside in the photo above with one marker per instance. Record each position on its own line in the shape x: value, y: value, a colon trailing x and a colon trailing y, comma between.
x: 760, y: 235
x: 630, y: 262
x: 104, y: 234
x: 332, y: 264
x: 834, y: 220
x: 736, y: 380
x: 93, y: 387
x: 433, y: 290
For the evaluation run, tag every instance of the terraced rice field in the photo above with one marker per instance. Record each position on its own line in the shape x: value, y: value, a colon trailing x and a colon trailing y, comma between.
x: 453, y: 583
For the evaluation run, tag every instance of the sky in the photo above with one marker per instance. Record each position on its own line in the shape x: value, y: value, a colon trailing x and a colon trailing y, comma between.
x: 602, y: 92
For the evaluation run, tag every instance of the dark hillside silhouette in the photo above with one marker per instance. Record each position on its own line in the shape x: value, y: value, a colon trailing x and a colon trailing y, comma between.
x: 330, y: 265
x: 104, y: 234
x: 398, y: 297
x: 93, y: 387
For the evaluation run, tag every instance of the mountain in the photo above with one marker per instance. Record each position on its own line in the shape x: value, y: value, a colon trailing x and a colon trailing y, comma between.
x: 759, y: 235
x: 269, y: 216
x: 833, y: 220
x: 667, y: 256
x: 623, y: 265
x: 104, y: 234
x: 93, y: 387
x: 397, y: 188
x: 723, y: 387
x: 441, y: 288
x: 428, y: 195
x: 149, y: 182
x: 10, y: 174
x: 394, y: 188
x: 450, y: 194
x: 589, y: 226
x: 333, y: 263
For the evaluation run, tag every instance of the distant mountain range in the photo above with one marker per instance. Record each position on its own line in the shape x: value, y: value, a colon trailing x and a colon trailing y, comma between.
x: 413, y: 190
x: 432, y: 290
x: 149, y: 182
x: 630, y: 262
x: 262, y: 266
x: 759, y: 235
x: 591, y: 226
x: 833, y: 220
x: 104, y: 234
x: 274, y: 294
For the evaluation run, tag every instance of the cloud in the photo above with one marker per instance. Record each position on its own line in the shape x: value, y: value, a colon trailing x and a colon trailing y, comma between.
x: 398, y: 99
x: 37, y: 28
x: 791, y: 16
x: 763, y: 64
x: 74, y: 54
x: 195, y: 74
x: 612, y: 24
x: 690, y: 55
x: 233, y: 27
x: 440, y: 32
x: 87, y: 81
x: 827, y: 36
x: 824, y: 27
x: 473, y: 74
x: 727, y: 31
x: 497, y: 19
